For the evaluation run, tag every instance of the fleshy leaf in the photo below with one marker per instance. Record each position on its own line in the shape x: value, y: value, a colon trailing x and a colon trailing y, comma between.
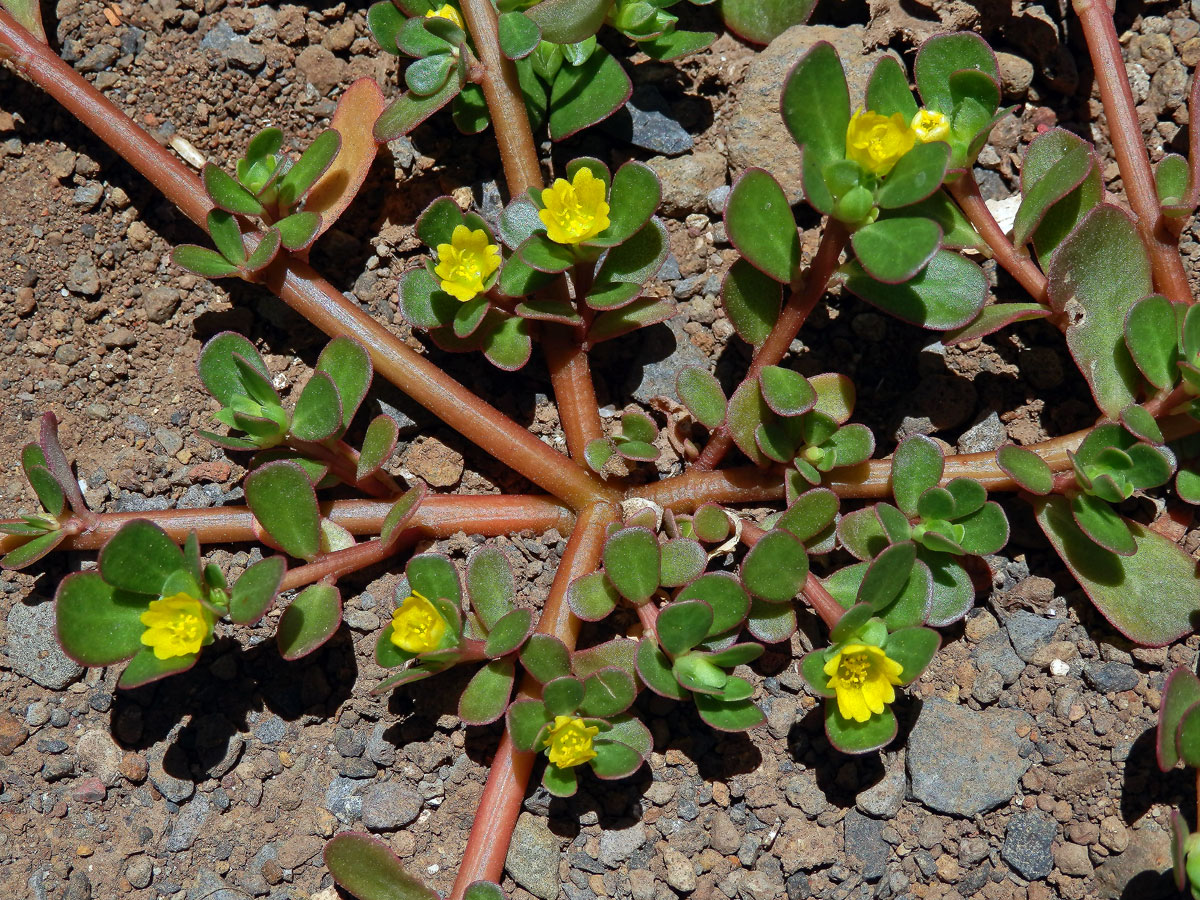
x: 631, y: 561
x: 283, y: 501
x: 775, y: 568
x: 310, y: 620
x: 761, y: 226
x: 752, y: 301
x: 254, y: 592
x: 486, y: 696
x: 368, y: 869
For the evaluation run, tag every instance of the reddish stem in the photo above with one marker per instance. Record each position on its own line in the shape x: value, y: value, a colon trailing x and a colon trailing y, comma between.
x: 574, y: 393
x: 496, y: 814
x: 305, y: 291
x: 343, y: 462
x: 437, y: 516
x: 965, y: 190
x: 1129, y: 147
x: 341, y: 563
x: 799, y: 306
x: 648, y: 616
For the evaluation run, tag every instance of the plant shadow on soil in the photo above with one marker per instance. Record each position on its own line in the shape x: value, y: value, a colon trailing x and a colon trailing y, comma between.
x: 219, y: 709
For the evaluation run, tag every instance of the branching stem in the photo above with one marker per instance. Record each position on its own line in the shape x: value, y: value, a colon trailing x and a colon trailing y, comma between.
x: 1129, y: 147
x: 795, y: 312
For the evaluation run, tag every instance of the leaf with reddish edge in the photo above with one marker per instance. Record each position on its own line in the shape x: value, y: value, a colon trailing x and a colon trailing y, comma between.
x: 310, y: 620
x: 254, y: 592
x: 746, y: 411
x: 56, y: 462
x: 569, y: 21
x: 1149, y: 597
x: 761, y: 21
x: 1179, y: 838
x: 486, y: 696
x: 377, y: 447
x: 407, y: 111
x: 32, y: 550
x: 1026, y: 468
x: 1098, y: 274
x: 366, y: 868
x: 752, y: 301
x: 572, y: 108
x: 283, y: 501
x: 29, y: 14
x: 1180, y: 693
x: 761, y: 225
x: 992, y: 318
x: 145, y: 667
x: 638, y: 314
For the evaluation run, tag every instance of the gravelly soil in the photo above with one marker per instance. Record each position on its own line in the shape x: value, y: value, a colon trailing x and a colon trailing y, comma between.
x: 225, y: 782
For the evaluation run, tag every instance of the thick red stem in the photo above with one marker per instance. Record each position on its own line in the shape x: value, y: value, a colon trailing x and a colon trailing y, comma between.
x: 799, y: 306
x: 1129, y: 147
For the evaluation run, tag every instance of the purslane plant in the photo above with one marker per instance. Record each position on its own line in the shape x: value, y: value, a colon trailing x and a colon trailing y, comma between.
x: 568, y: 266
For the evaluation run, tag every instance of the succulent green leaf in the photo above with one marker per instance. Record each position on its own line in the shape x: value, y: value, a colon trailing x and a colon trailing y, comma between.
x: 1149, y: 597
x: 746, y: 412
x: 519, y: 34
x: 893, y: 251
x: 1187, y: 736
x: 282, y: 499
x: 569, y: 21
x: 483, y: 890
x: 1101, y: 270
x: 227, y: 194
x: 785, y: 391
x: 683, y: 560
x: 761, y: 22
x: 202, y: 261
x: 1102, y: 524
x: 223, y: 228
x: 309, y: 167
x: 888, y: 91
x: 32, y: 550
x: 318, y: 414
x: 310, y: 620
x: 219, y: 370
x: 861, y: 532
x: 655, y: 670
x: 509, y: 633
x: 145, y: 667
x: 560, y: 782
x: 952, y: 590
x: 1062, y: 218
x: 614, y: 760
x: 435, y: 577
x: 724, y: 595
x: 886, y: 575
x: 437, y: 223
x: 1152, y: 338
x: 761, y: 226
x: 633, y: 198
x: 587, y: 94
x: 525, y: 719
x: 994, y: 317
x: 941, y: 57
x: 948, y: 293
x: 775, y: 568
x: 859, y: 737
x: 811, y: 513
x: 1187, y: 486
x: 425, y: 77
x: 710, y: 523
x: 592, y: 597
x: 423, y: 303
x: 916, y: 176
x: 1172, y: 179
x: 639, y: 314
x: 140, y: 558
x: 408, y: 111
x: 752, y: 301
x: 385, y: 21
x: 254, y: 592
x: 486, y: 696
x: 957, y: 231
x: 542, y: 254
x: 631, y: 561
x: 986, y: 530
x: 545, y: 657
x: 490, y: 584
x: 1054, y: 184
x: 49, y: 492
x: 98, y: 624
x: 771, y: 623
x: 1026, y: 468
x: 365, y: 867
x: 698, y: 674
x: 916, y: 466
x: 377, y: 447
x: 629, y: 266
x: 1180, y: 692
x: 684, y: 624
x: 701, y: 393
x: 597, y: 453
x: 264, y: 251
x: 812, y: 668
x: 607, y: 692
x: 816, y: 110
x: 718, y: 713
x: 913, y: 648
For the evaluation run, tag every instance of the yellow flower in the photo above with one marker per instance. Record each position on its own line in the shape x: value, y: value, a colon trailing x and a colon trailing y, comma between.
x: 575, y: 210
x: 175, y: 626
x: 929, y: 125
x: 862, y: 676
x: 417, y: 626
x: 570, y: 742
x: 446, y: 12
x: 877, y: 142
x: 466, y: 262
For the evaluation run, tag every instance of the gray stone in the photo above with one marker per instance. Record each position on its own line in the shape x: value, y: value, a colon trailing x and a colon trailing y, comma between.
x: 237, y: 50
x: 965, y: 762
x: 883, y: 799
x: 533, y: 857
x: 160, y: 303
x: 174, y: 789
x: 681, y: 874
x: 33, y: 649
x: 658, y: 377
x: 98, y: 58
x: 756, y: 134
x: 139, y: 872
x: 188, y: 823
x: 1148, y: 855
x: 270, y: 730
x: 379, y: 749
x: 404, y: 422
x: 209, y: 886
x: 1110, y: 676
x: 1027, y: 844
x: 984, y: 436
x: 618, y: 844
x: 717, y: 198
x: 88, y: 195
x: 996, y: 652
x: 646, y: 122
x: 386, y: 807
x: 171, y: 442
x: 688, y: 180
x: 99, y: 754
x: 1029, y: 633
x: 343, y: 798
x: 865, y: 846
x: 82, y: 277
x: 218, y: 743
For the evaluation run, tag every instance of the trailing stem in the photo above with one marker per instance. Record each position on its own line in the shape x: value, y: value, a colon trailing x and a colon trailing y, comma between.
x: 304, y: 290
x: 436, y: 516
x: 496, y: 815
x: 966, y: 192
x: 1129, y: 147
x: 799, y: 306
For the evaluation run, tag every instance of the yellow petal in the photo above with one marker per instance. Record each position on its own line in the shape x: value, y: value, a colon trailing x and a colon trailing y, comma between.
x: 852, y: 705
